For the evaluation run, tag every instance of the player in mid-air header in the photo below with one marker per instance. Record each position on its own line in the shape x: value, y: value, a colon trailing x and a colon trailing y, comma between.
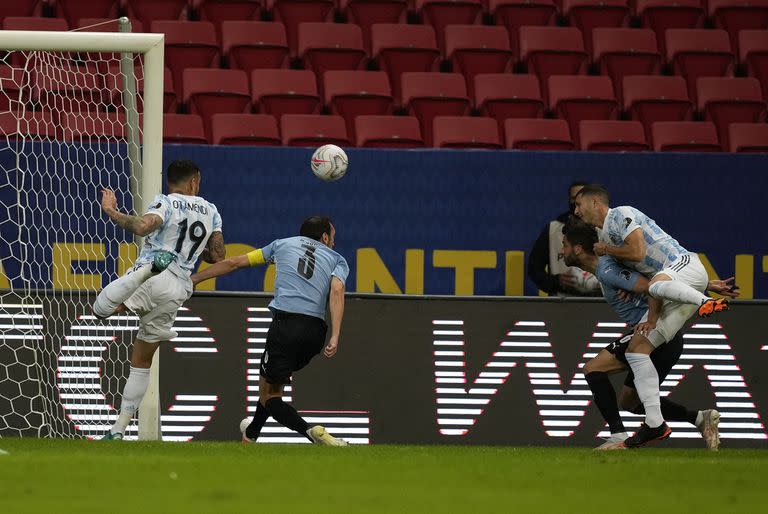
x: 309, y: 276
x: 678, y: 278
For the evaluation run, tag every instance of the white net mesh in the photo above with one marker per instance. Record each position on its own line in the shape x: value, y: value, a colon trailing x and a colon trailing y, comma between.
x: 63, y: 136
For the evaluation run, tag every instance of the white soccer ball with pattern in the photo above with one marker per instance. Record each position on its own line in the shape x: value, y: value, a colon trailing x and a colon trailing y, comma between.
x: 329, y: 162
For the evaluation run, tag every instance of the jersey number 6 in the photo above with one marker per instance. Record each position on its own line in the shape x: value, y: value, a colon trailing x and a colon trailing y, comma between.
x: 306, y: 266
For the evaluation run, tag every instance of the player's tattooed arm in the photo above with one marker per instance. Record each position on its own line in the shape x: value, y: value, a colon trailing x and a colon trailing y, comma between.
x: 139, y: 225
x: 215, y: 250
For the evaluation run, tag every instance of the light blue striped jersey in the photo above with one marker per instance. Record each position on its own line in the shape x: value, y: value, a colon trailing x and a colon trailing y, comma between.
x: 305, y: 268
x: 660, y: 248
x: 188, y: 222
x: 614, y: 276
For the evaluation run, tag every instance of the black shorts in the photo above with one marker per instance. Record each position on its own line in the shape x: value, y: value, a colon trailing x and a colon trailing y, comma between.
x: 292, y: 341
x: 664, y: 357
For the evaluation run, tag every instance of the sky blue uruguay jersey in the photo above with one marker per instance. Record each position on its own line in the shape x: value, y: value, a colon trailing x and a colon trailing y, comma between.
x: 304, y: 270
x: 614, y: 276
x: 188, y: 222
x: 661, y: 249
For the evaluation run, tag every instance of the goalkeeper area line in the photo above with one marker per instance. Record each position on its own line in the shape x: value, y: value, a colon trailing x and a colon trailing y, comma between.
x: 54, y: 475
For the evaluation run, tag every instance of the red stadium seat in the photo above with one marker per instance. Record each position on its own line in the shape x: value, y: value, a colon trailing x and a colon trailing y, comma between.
x: 249, y: 45
x: 612, y: 136
x: 34, y: 125
x: 748, y: 137
x: 514, y: 14
x: 75, y: 10
x: 403, y: 48
x: 441, y: 13
x: 11, y: 81
x: 685, y: 136
x: 219, y: 12
x: 331, y: 46
x: 622, y: 52
x: 521, y: 134
x: 503, y: 95
x: 474, y: 49
x: 353, y: 93
x: 587, y: 15
x: 20, y: 8
x: 32, y: 23
x: 695, y: 53
x: 184, y: 129
x: 466, y: 132
x: 660, y: 15
x: 753, y: 55
x: 292, y: 13
x: 388, y: 132
x: 550, y: 51
x: 730, y: 100
x: 426, y: 95
x: 367, y: 13
x: 279, y: 92
x: 578, y: 97
x: 313, y: 130
x: 149, y: 11
x: 106, y: 25
x: 188, y: 44
x: 245, y: 130
x: 208, y: 92
x: 736, y: 15
x: 70, y: 88
x: 92, y: 126
x: 649, y: 99
x: 115, y: 86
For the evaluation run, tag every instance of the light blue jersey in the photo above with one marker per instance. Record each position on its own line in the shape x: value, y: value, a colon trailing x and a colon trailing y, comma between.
x: 661, y: 249
x: 305, y: 268
x: 188, y: 222
x: 614, y: 276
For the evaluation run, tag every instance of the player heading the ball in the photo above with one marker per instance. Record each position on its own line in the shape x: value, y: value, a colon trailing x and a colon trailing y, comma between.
x: 309, y: 275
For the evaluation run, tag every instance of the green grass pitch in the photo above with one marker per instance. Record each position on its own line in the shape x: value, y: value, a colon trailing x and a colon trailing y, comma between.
x: 61, y: 476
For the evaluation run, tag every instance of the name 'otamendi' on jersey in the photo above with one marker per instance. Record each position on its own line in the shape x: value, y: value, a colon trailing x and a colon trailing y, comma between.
x: 188, y: 222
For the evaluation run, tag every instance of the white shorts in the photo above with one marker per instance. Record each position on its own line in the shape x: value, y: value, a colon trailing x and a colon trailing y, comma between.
x: 156, y: 303
x: 689, y: 270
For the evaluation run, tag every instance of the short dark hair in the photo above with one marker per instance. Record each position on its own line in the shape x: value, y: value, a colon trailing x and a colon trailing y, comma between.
x: 315, y: 226
x: 180, y: 171
x: 579, y: 233
x: 596, y: 190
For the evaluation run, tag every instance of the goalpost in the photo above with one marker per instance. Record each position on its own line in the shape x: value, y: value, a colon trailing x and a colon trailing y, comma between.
x: 61, y: 370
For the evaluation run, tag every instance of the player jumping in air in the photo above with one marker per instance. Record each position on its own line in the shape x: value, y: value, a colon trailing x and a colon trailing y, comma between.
x: 678, y: 278
x: 309, y: 275
x: 178, y: 228
x: 578, y: 241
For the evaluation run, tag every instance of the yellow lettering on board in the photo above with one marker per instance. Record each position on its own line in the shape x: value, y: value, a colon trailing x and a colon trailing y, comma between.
x: 64, y: 254
x: 514, y: 273
x: 465, y: 262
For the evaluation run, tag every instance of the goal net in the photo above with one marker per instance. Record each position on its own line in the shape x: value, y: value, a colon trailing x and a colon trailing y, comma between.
x: 70, y: 124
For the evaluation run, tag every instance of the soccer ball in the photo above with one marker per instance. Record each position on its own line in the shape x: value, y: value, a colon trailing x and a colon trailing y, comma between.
x: 329, y: 162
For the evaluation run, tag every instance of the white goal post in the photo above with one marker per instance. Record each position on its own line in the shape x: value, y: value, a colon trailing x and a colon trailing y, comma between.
x: 23, y: 294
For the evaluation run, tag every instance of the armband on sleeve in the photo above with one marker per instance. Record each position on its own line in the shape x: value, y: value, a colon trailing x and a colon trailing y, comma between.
x: 256, y: 258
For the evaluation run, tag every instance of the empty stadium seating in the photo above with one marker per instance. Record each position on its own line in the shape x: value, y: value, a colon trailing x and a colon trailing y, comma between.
x: 313, y: 130
x: 748, y: 137
x: 504, y: 60
x: 184, y: 129
x: 244, y: 130
x: 463, y: 132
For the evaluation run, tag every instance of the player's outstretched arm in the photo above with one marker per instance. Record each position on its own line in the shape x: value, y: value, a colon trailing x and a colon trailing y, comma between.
x: 221, y: 268
x: 215, y: 250
x: 139, y: 225
x: 336, y: 302
x: 725, y: 287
